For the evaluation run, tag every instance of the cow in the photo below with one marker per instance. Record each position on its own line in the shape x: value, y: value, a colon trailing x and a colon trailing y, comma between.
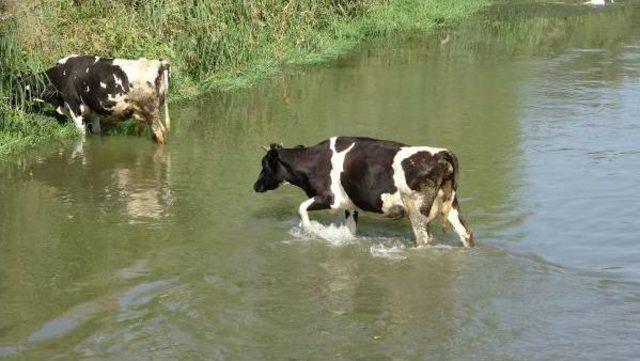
x: 364, y: 174
x: 90, y: 88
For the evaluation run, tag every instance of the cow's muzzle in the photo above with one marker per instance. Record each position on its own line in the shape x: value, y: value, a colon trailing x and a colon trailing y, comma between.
x: 260, y: 188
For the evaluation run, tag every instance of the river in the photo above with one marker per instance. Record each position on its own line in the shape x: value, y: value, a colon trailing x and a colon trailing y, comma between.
x: 119, y: 249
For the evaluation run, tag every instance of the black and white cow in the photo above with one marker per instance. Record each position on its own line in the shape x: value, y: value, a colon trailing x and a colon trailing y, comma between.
x: 89, y: 88
x: 353, y: 173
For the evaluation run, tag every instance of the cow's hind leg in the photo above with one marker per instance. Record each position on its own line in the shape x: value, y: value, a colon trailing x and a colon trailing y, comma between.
x: 459, y: 225
x: 351, y: 221
x: 418, y: 205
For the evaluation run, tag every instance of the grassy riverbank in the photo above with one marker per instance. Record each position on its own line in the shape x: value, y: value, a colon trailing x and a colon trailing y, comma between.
x: 212, y: 45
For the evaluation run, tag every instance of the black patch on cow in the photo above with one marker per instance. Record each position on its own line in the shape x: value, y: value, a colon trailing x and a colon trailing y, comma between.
x: 424, y: 171
x: 69, y: 82
x: 368, y: 171
x: 343, y: 143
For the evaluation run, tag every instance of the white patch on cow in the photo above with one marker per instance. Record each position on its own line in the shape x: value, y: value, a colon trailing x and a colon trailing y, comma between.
x: 118, y: 81
x: 64, y: 60
x: 140, y: 72
x: 103, y: 85
x: 87, y: 70
x: 87, y: 89
x: 60, y: 110
x: 340, y: 198
x: 97, y: 58
x: 390, y: 200
x: 64, y: 72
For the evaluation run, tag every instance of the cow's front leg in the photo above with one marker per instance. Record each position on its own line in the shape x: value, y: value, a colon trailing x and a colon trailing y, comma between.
x: 95, y: 124
x: 151, y: 118
x: 351, y: 221
x: 75, y: 112
x: 158, y: 131
x: 312, y: 204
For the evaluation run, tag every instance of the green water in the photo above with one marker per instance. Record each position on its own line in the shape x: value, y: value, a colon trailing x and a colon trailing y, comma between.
x: 118, y: 249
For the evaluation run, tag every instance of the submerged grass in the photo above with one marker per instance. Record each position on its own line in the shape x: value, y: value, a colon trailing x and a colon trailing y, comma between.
x: 212, y: 45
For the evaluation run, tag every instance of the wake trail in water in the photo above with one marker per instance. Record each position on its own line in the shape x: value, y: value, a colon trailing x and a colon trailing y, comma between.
x: 338, y: 235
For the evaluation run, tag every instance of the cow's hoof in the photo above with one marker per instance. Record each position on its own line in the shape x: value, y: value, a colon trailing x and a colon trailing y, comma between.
x: 469, y: 241
x: 158, y: 139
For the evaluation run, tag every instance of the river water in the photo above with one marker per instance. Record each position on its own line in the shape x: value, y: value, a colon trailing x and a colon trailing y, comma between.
x: 118, y: 249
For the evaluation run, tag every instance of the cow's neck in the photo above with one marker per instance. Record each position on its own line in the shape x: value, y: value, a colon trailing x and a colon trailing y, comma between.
x: 296, y: 160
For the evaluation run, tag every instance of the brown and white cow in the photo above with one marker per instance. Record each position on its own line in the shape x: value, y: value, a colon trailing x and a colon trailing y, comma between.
x: 90, y: 88
x: 354, y: 173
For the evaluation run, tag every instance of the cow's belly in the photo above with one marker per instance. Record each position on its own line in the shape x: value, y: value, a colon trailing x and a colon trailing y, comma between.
x: 342, y: 201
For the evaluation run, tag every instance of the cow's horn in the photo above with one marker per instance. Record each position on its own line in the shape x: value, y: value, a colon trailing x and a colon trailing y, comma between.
x: 265, y: 147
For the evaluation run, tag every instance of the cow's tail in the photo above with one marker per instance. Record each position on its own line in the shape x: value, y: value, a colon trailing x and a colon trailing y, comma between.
x: 449, y: 184
x: 455, y: 168
x: 166, y: 70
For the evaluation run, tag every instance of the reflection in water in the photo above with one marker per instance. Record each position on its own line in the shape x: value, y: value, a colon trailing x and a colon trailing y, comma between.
x: 137, y: 181
x: 146, y: 202
x: 125, y: 250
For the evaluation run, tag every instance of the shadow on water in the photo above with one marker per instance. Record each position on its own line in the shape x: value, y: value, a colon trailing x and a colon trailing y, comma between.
x: 118, y: 249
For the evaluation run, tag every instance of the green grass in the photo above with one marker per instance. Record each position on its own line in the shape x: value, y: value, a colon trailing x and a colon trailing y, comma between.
x: 212, y: 45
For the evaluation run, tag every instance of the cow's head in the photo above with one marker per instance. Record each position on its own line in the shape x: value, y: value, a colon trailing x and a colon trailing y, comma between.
x: 273, y: 170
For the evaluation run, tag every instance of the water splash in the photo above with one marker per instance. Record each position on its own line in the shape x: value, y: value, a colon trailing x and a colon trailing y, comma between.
x: 336, y: 235
x: 394, y: 251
